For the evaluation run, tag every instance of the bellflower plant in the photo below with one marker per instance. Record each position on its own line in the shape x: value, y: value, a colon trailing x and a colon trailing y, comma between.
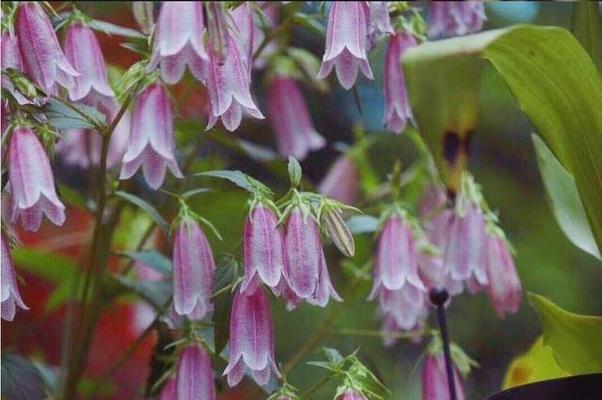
x: 194, y: 376
x: 397, y: 104
x: 455, y: 18
x: 11, y: 298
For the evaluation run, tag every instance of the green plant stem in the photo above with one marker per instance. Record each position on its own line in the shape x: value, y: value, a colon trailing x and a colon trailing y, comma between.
x: 317, y: 386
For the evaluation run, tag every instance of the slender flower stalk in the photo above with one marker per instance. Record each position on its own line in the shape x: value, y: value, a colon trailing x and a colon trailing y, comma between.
x: 251, y: 338
x: 454, y: 18
x: 41, y: 53
x: 193, y: 270
x: 194, y: 377
x: 346, y: 42
x: 288, y: 114
x: 151, y: 143
x: 32, y: 182
x: 397, y: 104
x: 179, y: 41
x: 11, y: 298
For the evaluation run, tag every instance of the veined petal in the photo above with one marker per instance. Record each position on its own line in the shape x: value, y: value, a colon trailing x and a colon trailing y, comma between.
x: 303, y: 252
x: 194, y: 378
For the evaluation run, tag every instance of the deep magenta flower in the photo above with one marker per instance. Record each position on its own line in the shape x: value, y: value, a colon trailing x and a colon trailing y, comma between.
x: 395, y: 262
x: 466, y: 247
x: 434, y: 380
x: 453, y: 18
x: 83, y: 52
x: 169, y: 391
x: 251, y: 338
x: 41, y: 53
x: 32, y: 182
x: 263, y: 248
x: 11, y: 58
x: 179, y: 41
x: 504, y: 288
x: 346, y: 42
x: 193, y: 269
x: 228, y: 85
x: 194, y: 377
x: 11, y: 298
x: 397, y: 104
x: 151, y: 143
x: 341, y: 182
x: 288, y: 114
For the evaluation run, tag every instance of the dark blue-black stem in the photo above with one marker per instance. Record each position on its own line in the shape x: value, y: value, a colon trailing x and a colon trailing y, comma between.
x: 438, y: 297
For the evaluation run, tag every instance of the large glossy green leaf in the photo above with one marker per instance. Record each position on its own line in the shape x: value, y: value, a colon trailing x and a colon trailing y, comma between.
x: 564, y: 199
x: 587, y: 28
x: 551, y: 76
x: 575, y: 340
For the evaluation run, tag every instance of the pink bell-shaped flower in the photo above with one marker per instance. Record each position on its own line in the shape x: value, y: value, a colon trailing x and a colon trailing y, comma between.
x: 43, y: 59
x: 351, y: 394
x: 179, y: 41
x: 11, y: 58
x: 151, y: 143
x: 454, y: 18
x: 228, y: 85
x: 379, y: 22
x: 11, y: 298
x: 397, y: 104
x: 83, y: 52
x: 32, y: 182
x: 434, y: 380
x: 504, y: 288
x: 194, y: 376
x: 288, y: 114
x: 346, y: 42
x: 193, y: 269
x: 406, y: 307
x: 170, y: 390
x: 251, y: 338
x: 263, y: 248
x: 341, y: 182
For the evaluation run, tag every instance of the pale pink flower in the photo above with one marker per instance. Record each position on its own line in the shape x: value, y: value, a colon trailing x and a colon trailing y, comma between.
x: 341, y: 182
x: 193, y: 270
x: 406, y: 307
x: 32, y: 182
x: 11, y: 298
x: 288, y: 114
x: 434, y: 380
x: 379, y: 23
x: 346, y: 42
x: 453, y: 18
x: 151, y: 143
x: 11, y: 58
x: 504, y: 288
x: 397, y: 104
x: 179, y: 41
x: 42, y: 57
x: 351, y: 394
x: 194, y: 377
x: 251, y: 338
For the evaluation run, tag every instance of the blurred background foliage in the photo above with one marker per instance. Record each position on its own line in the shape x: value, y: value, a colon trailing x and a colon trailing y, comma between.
x: 501, y: 158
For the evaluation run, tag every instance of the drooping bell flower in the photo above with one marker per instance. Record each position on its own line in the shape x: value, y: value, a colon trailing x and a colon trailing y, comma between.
x: 346, y: 42
x: 194, y: 377
x: 11, y: 58
x: 434, y: 380
x: 11, y: 298
x: 454, y: 18
x: 324, y: 289
x: 43, y: 59
x: 228, y: 85
x: 406, y: 307
x: 504, y: 288
x: 179, y: 41
x: 379, y: 22
x: 83, y: 52
x: 263, y: 248
x: 465, y: 251
x: 351, y: 394
x: 341, y: 182
x: 242, y: 17
x: 82, y: 147
x: 151, y: 143
x: 169, y: 391
x: 251, y: 338
x: 288, y: 114
x: 397, y: 104
x: 193, y: 270
x: 395, y: 263
x: 32, y: 182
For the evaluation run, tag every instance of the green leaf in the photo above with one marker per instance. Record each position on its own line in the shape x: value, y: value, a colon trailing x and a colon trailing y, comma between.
x: 587, y: 28
x: 147, y: 207
x: 73, y: 116
x: 575, y: 339
x: 152, y: 259
x: 156, y: 293
x: 112, y: 29
x: 240, y: 179
x: 536, y: 364
x: 50, y: 266
x: 564, y: 198
x: 71, y: 196
x: 21, y: 380
x: 562, y: 99
x: 226, y: 274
